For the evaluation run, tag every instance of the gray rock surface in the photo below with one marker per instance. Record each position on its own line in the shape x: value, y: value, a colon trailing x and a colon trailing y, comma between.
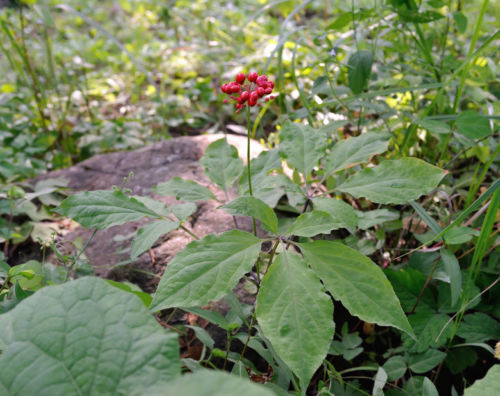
x: 108, y: 252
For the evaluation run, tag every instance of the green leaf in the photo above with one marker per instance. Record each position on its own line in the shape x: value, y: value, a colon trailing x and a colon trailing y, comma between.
x: 359, y: 70
x: 452, y: 268
x: 149, y: 234
x: 419, y: 17
x: 460, y: 21
x: 259, y: 169
x: 433, y: 126
x: 408, y: 284
x: 295, y: 315
x: 312, y: 223
x: 302, y: 146
x: 186, y: 190
x: 206, y: 270
x: 375, y: 217
x: 253, y: 207
x: 428, y: 388
x: 458, y: 359
x: 473, y: 125
x: 209, y: 383
x: 355, y: 150
x: 460, y: 235
x: 427, y: 326
x: 342, y: 21
x: 421, y: 363
x: 395, y: 367
x: 183, y: 211
x: 222, y: 164
x: 394, y: 181
x: 489, y: 385
x: 103, y: 208
x: 343, y: 214
x: 83, y: 337
x: 479, y: 327
x: 357, y: 282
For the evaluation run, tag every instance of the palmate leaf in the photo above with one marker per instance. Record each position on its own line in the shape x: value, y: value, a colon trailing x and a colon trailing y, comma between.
x: 302, y: 146
x: 206, y: 270
x: 295, y: 314
x: 394, y: 181
x: 84, y: 337
x: 357, y: 282
x: 222, y: 164
x: 355, y: 150
x: 104, y: 208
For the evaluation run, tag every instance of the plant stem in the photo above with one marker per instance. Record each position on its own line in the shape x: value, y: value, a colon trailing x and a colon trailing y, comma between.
x: 248, y: 337
x: 248, y: 166
x: 79, y: 254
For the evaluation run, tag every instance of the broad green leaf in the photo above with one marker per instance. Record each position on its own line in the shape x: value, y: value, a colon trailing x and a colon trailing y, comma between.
x: 461, y: 21
x: 427, y: 326
x: 84, y: 337
x: 473, y: 125
x: 355, y: 150
x: 149, y: 234
x: 302, y: 146
x: 268, y: 189
x: 428, y: 388
x: 312, y: 223
x: 186, y: 190
x: 153, y: 204
x: 132, y: 288
x: 183, y: 211
x: 433, y: 126
x: 103, y: 208
x: 295, y: 315
x: 209, y: 383
x: 394, y: 181
x: 460, y: 235
x: 357, y: 282
x: 479, y: 327
x: 206, y: 270
x: 375, y: 217
x: 259, y: 168
x: 408, y: 284
x: 489, y: 385
x: 423, y: 362
x: 458, y: 359
x: 452, y: 268
x: 359, y: 68
x: 222, y: 164
x: 253, y: 207
x: 342, y: 213
x: 395, y: 367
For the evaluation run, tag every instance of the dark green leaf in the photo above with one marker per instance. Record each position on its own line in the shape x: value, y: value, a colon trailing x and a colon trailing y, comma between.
x: 479, y: 327
x: 433, y: 126
x: 375, y: 217
x: 395, y: 367
x: 359, y: 70
x: 473, y: 125
x: 423, y: 362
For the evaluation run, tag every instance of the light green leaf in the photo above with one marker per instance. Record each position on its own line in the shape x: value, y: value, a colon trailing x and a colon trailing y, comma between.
x: 423, y: 362
x: 84, y: 337
x: 452, y: 268
x: 153, y: 204
x: 253, y: 207
x: 295, y: 315
x: 103, y: 209
x: 395, y: 367
x: 489, y: 385
x: 394, y: 181
x: 343, y: 214
x: 473, y: 125
x: 375, y: 217
x: 268, y: 189
x: 379, y: 382
x: 302, y: 146
x: 209, y: 383
x: 355, y: 150
x: 359, y: 69
x: 460, y: 235
x: 183, y: 211
x: 312, y: 223
x: 149, y: 234
x: 259, y: 168
x: 206, y: 270
x: 186, y: 190
x: 433, y: 126
x: 357, y: 282
x: 222, y: 164
x: 428, y: 388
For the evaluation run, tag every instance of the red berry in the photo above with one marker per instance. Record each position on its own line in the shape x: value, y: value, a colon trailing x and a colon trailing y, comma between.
x: 225, y: 101
x: 261, y: 92
x: 223, y: 88
x: 267, y: 91
x: 243, y: 97
x: 270, y: 84
x: 235, y: 87
x: 252, y: 77
x: 261, y: 80
x: 254, y: 96
x: 240, y: 78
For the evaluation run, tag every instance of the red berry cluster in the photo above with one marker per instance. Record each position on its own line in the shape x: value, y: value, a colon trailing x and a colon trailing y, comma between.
x: 258, y: 87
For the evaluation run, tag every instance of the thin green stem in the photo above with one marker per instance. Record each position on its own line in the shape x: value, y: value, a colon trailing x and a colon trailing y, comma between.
x: 79, y: 254
x: 249, y: 129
